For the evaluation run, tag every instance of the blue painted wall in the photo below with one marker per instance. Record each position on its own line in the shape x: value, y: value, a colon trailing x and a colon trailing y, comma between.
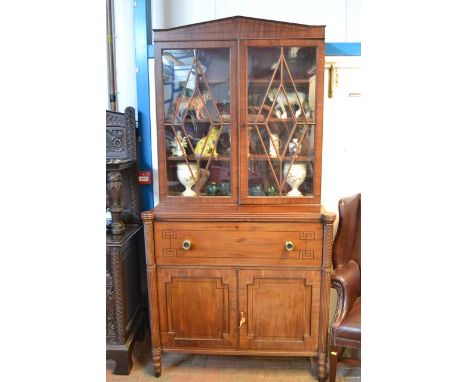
x: 143, y: 38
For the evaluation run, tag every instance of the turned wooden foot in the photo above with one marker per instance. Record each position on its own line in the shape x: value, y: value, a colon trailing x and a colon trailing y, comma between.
x: 322, y: 360
x: 314, y: 370
x: 156, y: 352
x: 335, y: 352
x: 123, y: 361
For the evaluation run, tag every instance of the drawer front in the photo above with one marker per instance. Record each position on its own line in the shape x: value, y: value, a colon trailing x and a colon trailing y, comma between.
x: 239, y: 243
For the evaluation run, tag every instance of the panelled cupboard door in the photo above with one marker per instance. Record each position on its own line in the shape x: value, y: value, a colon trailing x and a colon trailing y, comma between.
x: 281, y: 309
x: 198, y: 308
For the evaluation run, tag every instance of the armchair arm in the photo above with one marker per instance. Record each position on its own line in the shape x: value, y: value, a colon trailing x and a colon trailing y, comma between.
x: 346, y: 280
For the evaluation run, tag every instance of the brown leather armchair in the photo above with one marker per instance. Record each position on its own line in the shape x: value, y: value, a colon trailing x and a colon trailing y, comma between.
x: 345, y: 329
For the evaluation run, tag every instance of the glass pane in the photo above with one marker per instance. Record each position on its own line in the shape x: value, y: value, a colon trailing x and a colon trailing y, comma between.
x: 197, y: 121
x: 281, y: 105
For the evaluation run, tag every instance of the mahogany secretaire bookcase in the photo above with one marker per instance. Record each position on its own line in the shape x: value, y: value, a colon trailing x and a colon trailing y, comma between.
x: 238, y: 251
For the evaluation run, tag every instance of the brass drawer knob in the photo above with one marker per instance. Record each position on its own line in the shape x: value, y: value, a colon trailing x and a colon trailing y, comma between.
x: 186, y: 244
x: 288, y: 245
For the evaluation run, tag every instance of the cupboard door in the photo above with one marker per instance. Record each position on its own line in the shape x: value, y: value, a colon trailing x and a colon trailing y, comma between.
x: 197, y: 122
x: 198, y: 308
x: 281, y: 113
x: 281, y: 309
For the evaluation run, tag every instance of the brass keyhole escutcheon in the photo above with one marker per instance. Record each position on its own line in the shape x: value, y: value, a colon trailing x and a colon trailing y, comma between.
x: 186, y: 244
x: 288, y: 245
x: 242, y: 319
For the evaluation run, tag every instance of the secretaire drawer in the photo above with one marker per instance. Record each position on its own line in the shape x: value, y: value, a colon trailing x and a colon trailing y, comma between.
x: 238, y: 243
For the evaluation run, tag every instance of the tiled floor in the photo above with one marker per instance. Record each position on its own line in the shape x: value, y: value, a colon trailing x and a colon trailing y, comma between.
x: 203, y: 368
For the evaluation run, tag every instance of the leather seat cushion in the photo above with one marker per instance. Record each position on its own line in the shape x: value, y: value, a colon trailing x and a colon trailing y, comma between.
x: 350, y: 327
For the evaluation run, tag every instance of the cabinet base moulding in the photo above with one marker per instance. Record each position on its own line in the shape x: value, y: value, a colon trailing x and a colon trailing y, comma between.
x: 270, y: 353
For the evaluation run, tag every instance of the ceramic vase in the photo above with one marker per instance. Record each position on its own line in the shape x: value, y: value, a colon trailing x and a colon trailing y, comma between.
x: 211, y: 189
x: 295, y: 177
x: 187, y: 178
x: 178, y: 149
x: 275, y: 145
x: 294, y: 147
x: 271, y: 191
x: 224, y: 189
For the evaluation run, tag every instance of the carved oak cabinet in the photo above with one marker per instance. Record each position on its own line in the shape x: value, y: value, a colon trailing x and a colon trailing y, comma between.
x: 238, y: 250
x: 124, y: 297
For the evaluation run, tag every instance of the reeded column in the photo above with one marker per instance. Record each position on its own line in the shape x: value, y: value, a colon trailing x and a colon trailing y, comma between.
x: 148, y: 226
x: 327, y: 220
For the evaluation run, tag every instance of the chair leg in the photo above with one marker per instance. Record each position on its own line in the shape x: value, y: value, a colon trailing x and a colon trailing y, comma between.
x: 334, y: 353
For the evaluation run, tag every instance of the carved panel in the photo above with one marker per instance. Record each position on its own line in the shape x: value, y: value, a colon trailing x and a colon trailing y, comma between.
x: 115, y: 119
x: 130, y: 196
x: 110, y: 316
x: 120, y: 135
x: 130, y: 124
x: 117, y: 282
x: 110, y: 301
x: 116, y: 142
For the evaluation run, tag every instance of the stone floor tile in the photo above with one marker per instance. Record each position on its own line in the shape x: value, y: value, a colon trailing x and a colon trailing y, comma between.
x: 281, y: 363
x: 278, y: 375
x: 214, y: 373
x: 123, y: 378
x: 151, y: 378
x: 198, y: 360
x: 303, y: 362
x: 247, y: 362
x: 187, y: 377
x: 217, y: 368
x: 349, y: 371
x: 236, y: 375
x: 221, y: 360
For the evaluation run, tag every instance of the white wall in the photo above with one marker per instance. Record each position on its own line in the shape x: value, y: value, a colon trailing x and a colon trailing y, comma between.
x: 342, y: 133
x: 124, y: 40
x: 342, y: 17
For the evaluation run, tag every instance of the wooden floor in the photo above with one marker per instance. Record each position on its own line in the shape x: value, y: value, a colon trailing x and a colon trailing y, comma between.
x: 202, y: 368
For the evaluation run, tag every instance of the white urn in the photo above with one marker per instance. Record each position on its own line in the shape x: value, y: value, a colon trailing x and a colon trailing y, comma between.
x: 188, y: 176
x: 295, y: 177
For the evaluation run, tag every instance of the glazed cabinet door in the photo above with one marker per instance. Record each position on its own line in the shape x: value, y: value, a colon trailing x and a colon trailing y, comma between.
x: 279, y: 310
x: 197, y: 121
x: 281, y: 89
x: 198, y: 308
